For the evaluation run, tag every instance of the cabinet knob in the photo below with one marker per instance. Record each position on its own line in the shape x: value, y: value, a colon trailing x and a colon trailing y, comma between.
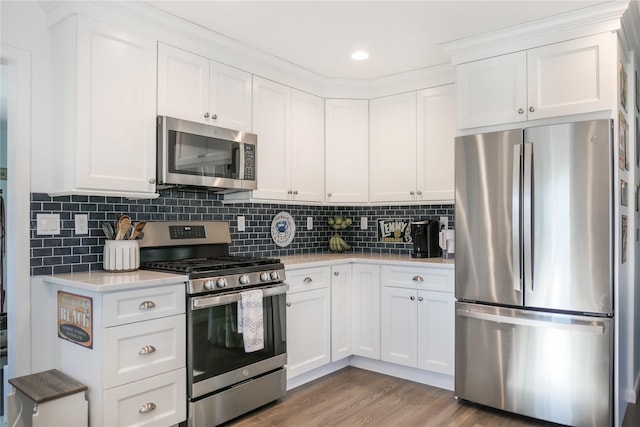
x: 531, y: 109
x: 412, y: 298
x: 520, y: 111
x: 146, y: 305
x: 336, y: 273
x: 419, y: 192
x: 417, y: 279
x: 307, y: 280
x: 288, y: 304
x: 147, y: 407
x: 206, y: 115
x: 147, y: 349
x: 152, y: 181
x: 328, y: 194
x: 412, y: 192
x: 214, y: 116
x: 295, y: 192
x: 420, y: 298
x: 290, y: 192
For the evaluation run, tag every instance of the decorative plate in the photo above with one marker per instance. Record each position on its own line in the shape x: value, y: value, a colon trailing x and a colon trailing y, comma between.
x: 283, y: 229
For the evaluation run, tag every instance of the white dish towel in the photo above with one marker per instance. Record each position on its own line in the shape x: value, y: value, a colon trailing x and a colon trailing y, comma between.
x: 250, y: 322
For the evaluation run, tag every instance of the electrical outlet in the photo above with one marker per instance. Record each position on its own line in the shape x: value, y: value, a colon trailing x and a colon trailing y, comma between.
x: 241, y: 223
x: 48, y: 224
x: 444, y: 223
x: 309, y: 223
x: 82, y: 224
x: 363, y: 223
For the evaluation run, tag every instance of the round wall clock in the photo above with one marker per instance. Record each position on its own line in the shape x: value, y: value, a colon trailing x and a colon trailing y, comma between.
x: 283, y: 229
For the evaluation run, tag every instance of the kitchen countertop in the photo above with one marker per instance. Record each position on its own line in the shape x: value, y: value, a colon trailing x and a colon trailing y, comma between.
x: 316, y: 260
x: 102, y: 281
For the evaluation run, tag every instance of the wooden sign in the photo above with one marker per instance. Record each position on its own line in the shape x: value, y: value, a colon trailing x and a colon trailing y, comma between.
x: 75, y: 318
x: 394, y: 230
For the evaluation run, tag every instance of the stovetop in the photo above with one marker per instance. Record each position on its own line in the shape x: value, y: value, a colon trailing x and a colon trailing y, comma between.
x: 204, y: 265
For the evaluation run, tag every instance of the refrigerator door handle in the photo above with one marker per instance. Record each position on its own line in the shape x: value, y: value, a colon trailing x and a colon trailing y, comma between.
x: 527, y: 216
x: 595, y: 327
x: 515, y: 219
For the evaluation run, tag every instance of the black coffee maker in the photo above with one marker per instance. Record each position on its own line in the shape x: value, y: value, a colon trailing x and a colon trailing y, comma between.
x: 425, y: 239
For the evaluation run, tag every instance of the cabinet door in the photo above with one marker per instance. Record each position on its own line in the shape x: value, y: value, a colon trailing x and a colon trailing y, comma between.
x: 183, y: 84
x: 340, y: 312
x: 308, y: 331
x: 436, y: 133
x: 365, y: 314
x: 492, y: 91
x: 436, y: 317
x: 307, y: 147
x: 347, y: 148
x: 116, y: 122
x: 571, y: 77
x: 230, y: 97
x: 399, y: 323
x: 392, y: 145
x: 271, y: 122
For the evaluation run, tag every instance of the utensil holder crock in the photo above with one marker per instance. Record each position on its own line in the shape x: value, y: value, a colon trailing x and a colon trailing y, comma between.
x: 121, y: 255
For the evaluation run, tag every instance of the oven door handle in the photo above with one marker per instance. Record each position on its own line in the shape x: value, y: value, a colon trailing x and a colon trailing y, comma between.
x: 198, y: 303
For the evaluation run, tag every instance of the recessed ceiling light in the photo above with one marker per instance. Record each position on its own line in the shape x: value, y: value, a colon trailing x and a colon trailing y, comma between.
x: 359, y: 55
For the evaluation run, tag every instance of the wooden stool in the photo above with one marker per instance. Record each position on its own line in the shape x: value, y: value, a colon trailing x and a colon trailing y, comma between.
x: 50, y: 398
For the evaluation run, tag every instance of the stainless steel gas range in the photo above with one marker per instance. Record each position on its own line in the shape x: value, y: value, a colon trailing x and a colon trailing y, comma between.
x: 226, y: 376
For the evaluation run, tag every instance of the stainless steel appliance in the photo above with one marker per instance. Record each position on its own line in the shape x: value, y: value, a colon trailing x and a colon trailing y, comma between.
x: 223, y: 380
x: 425, y: 236
x: 534, y: 275
x: 201, y: 155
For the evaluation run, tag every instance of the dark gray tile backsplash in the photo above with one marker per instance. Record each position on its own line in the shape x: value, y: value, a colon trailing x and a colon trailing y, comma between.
x: 69, y: 252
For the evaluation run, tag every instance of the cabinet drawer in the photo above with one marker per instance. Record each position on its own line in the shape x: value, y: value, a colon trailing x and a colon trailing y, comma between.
x: 143, y: 349
x: 308, y: 279
x: 431, y: 278
x: 155, y: 401
x: 143, y: 304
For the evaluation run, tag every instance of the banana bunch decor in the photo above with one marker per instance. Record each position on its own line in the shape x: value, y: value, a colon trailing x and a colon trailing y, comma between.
x: 337, y: 243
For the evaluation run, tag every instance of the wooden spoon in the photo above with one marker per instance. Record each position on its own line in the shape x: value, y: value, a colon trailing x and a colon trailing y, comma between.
x: 124, y: 222
x: 137, y: 229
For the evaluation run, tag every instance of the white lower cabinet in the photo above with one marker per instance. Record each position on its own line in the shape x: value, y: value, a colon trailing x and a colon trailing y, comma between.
x: 340, y: 312
x: 308, y: 320
x: 365, y: 310
x: 417, y: 318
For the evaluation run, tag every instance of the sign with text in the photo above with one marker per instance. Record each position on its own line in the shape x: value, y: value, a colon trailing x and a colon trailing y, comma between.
x: 75, y: 318
x: 394, y: 230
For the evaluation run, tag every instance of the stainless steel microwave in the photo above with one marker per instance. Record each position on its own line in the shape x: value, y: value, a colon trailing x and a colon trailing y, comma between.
x: 201, y: 155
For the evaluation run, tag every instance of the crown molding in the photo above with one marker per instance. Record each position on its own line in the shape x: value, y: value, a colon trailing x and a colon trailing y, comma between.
x: 596, y: 19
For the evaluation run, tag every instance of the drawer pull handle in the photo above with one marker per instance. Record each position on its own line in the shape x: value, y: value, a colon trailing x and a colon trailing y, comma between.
x: 418, y: 279
x: 147, y: 407
x: 307, y: 280
x: 146, y: 305
x: 147, y: 349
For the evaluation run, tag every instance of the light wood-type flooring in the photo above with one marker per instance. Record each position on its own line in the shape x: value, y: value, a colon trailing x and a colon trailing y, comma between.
x: 356, y: 397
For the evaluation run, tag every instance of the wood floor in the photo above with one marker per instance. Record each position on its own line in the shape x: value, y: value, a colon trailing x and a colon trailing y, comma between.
x: 355, y: 397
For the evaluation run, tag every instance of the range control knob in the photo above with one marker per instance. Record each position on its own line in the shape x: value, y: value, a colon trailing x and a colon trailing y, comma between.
x: 264, y: 276
x: 221, y: 282
x: 209, y: 284
x: 275, y: 275
x: 244, y: 279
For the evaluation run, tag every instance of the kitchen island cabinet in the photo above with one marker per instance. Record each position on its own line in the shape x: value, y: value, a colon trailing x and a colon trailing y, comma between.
x: 105, y: 115
x: 194, y: 88
x: 560, y: 79
x: 135, y: 365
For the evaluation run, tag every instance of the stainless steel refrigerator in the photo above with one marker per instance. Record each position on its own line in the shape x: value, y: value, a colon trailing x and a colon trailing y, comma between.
x: 534, y: 277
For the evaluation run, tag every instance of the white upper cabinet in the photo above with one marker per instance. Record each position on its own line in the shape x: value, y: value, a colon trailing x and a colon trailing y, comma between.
x: 570, y: 77
x: 194, y: 88
x: 411, y: 146
x: 347, y: 149
x: 434, y: 152
x: 106, y: 97
x: 290, y: 129
x: 392, y: 145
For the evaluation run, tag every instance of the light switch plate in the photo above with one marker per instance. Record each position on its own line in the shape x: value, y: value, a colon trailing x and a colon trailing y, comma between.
x: 48, y: 224
x: 444, y: 223
x: 363, y: 223
x: 241, y: 223
x: 309, y: 223
x: 82, y: 224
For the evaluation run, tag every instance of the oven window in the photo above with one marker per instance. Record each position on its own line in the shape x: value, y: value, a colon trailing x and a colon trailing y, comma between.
x: 218, y: 348
x: 203, y: 156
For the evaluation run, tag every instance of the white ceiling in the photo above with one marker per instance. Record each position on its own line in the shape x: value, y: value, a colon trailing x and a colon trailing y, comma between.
x: 400, y: 36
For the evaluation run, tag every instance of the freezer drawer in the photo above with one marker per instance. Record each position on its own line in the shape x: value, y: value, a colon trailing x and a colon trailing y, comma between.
x: 553, y: 367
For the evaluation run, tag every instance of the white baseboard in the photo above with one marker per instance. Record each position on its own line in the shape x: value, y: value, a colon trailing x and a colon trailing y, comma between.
x: 398, y: 371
